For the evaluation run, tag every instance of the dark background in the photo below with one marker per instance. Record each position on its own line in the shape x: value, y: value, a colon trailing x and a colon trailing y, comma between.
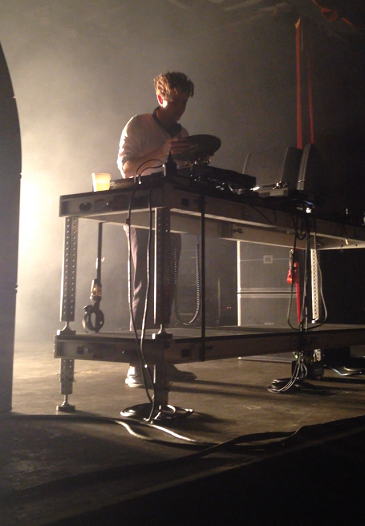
x: 81, y: 68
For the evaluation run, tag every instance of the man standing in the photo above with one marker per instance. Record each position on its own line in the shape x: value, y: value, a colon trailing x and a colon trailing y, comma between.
x: 145, y: 144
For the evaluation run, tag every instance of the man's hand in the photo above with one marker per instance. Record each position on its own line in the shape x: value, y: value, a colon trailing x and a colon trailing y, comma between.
x: 151, y: 160
x: 176, y: 145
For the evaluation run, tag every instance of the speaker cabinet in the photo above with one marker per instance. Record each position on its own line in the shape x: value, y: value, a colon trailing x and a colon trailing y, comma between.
x: 271, y: 167
x: 264, y: 296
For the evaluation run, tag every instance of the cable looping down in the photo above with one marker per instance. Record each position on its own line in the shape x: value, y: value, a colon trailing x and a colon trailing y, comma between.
x: 99, y: 318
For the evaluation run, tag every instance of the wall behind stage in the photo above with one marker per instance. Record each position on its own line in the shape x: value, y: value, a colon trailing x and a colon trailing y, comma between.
x: 81, y: 69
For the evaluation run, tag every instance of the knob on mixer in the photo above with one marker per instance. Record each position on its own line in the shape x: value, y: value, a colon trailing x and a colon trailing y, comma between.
x: 85, y: 207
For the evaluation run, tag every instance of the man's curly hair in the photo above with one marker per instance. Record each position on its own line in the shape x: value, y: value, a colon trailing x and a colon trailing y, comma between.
x: 173, y: 82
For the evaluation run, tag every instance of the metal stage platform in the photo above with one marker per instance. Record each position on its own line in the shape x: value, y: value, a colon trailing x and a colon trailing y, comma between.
x: 208, y: 208
x: 185, y: 345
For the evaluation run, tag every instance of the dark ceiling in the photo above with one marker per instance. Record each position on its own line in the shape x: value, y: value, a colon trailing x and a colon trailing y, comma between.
x: 338, y: 17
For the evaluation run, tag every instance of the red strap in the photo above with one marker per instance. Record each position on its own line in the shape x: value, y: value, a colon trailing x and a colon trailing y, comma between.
x: 329, y: 14
x: 310, y: 94
x: 304, y: 47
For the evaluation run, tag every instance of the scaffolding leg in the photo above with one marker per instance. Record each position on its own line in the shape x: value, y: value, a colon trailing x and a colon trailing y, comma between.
x: 68, y: 289
x: 66, y: 379
x: 159, y: 409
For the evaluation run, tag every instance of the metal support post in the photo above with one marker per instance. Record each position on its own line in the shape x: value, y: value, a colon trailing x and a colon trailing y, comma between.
x: 68, y: 289
x: 162, y: 292
x: 161, y: 388
x: 66, y: 380
x: 315, y: 285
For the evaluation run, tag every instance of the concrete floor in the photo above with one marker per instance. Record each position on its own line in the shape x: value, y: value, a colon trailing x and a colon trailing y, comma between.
x: 89, y: 467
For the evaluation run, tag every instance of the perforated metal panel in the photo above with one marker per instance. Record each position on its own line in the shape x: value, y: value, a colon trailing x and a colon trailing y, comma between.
x: 68, y: 290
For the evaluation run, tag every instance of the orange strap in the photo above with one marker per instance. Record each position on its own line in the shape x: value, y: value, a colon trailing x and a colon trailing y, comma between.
x: 300, y: 49
x: 309, y: 84
x: 331, y: 15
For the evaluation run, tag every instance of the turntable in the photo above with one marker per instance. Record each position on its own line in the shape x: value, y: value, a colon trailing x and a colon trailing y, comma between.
x: 201, y: 147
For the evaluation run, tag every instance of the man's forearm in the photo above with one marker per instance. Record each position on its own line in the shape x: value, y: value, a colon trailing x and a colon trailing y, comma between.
x: 137, y: 165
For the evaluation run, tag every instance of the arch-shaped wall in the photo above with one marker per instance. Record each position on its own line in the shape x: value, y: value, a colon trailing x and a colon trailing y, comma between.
x: 10, y: 168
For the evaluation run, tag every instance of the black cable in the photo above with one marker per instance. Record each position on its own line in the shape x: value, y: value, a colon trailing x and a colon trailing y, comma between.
x: 292, y: 270
x: 306, y: 266
x: 116, y: 471
x: 295, y: 220
x: 285, y: 385
x: 206, y: 448
x: 198, y: 287
x: 261, y: 443
x: 146, y: 373
x: 304, y: 308
x: 300, y: 370
x: 149, y: 167
x: 268, y: 438
x: 139, y: 341
x: 128, y: 222
x: 263, y: 215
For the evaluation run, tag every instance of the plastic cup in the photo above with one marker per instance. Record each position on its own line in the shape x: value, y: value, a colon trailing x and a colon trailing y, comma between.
x: 101, y: 181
